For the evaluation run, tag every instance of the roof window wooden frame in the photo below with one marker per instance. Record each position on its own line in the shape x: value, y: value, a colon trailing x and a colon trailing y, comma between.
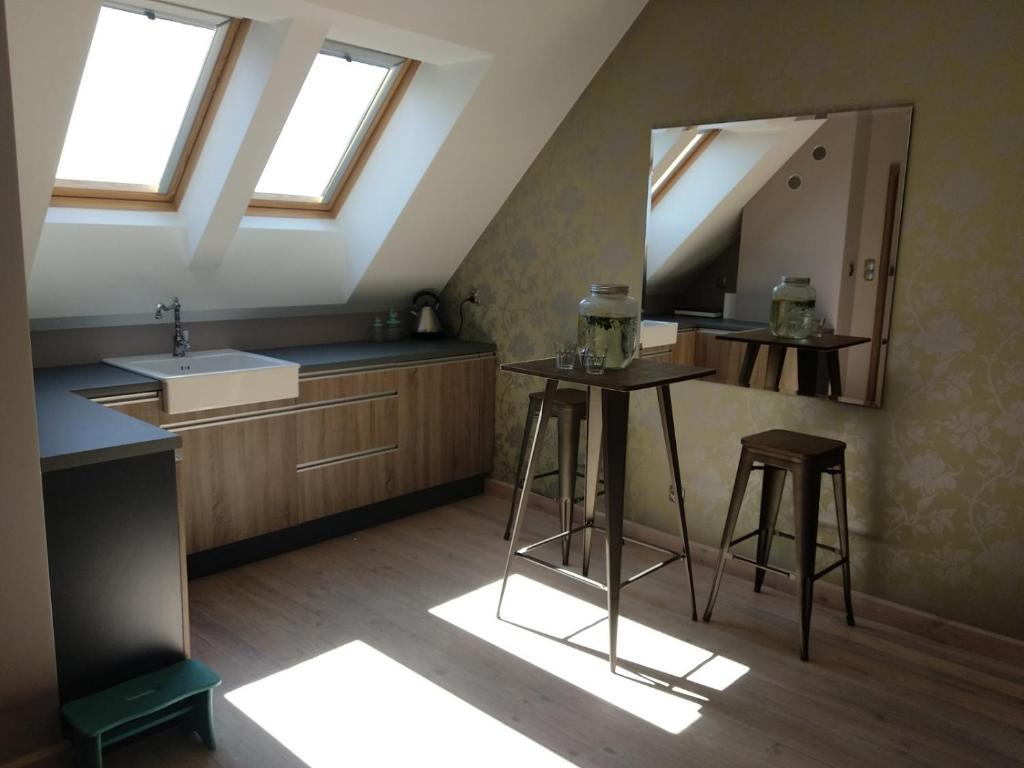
x: 364, y: 140
x: 690, y: 155
x: 224, y: 50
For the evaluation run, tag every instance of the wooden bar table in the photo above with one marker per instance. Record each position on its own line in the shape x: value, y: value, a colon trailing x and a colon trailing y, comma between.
x: 817, y: 357
x: 607, y: 422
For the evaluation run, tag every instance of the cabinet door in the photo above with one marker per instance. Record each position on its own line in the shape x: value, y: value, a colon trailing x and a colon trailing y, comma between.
x: 445, y: 423
x: 683, y: 350
x: 238, y: 479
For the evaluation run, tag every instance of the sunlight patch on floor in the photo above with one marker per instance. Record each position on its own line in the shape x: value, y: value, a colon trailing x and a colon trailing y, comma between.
x: 355, y: 706
x: 568, y: 638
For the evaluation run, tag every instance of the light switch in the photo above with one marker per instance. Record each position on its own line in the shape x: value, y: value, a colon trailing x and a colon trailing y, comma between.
x: 869, y: 269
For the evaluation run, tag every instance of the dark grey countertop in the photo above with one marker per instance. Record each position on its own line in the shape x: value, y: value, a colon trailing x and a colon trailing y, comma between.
x: 707, y: 323
x: 74, y: 431
x: 358, y: 354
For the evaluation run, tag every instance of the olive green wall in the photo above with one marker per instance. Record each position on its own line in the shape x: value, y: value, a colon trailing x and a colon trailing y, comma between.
x: 937, y: 475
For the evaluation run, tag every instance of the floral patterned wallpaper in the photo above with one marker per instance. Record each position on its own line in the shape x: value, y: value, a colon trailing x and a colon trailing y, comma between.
x: 937, y: 475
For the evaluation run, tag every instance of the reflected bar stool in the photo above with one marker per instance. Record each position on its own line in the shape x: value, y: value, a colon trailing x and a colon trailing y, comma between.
x: 607, y: 423
x: 569, y: 406
x: 807, y: 457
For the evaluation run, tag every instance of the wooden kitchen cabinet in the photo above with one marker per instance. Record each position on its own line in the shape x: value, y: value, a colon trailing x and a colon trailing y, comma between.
x: 682, y: 352
x: 237, y: 479
x: 445, y: 423
x: 145, y: 408
x: 349, y: 440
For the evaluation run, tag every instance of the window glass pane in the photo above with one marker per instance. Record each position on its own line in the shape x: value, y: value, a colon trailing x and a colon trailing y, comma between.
x: 325, y: 118
x: 135, y: 92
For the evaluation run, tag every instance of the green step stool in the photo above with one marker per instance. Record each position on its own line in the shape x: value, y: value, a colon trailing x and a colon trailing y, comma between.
x: 184, y: 690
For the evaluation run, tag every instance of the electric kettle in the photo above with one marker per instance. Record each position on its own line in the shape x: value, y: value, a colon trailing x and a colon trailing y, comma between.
x: 424, y: 309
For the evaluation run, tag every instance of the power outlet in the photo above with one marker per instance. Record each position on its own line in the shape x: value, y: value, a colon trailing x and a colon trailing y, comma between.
x: 672, y: 494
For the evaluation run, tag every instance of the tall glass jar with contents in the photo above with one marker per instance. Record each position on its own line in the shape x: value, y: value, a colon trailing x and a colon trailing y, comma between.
x: 609, y: 324
x: 792, y: 308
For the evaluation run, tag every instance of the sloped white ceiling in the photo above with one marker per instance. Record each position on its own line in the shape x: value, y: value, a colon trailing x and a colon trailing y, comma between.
x: 496, y: 80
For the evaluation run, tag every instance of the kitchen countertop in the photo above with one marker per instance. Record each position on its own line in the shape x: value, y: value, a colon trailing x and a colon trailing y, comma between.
x: 74, y: 431
x: 687, y: 322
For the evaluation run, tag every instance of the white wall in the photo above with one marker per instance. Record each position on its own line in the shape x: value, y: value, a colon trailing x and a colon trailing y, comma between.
x: 799, y: 232
x: 28, y: 676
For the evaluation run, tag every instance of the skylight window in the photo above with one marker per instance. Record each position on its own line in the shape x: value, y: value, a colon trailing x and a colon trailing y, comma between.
x: 333, y: 123
x: 147, y: 87
x: 680, y: 163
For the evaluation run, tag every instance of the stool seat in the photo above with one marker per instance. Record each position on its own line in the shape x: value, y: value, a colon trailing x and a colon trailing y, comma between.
x: 795, y: 446
x: 574, y: 400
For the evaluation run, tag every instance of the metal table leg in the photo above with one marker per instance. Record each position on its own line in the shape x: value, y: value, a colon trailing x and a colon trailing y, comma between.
x: 749, y: 358
x: 615, y: 406
x: 669, y: 428
x: 568, y: 450
x: 536, y: 446
x: 595, y: 439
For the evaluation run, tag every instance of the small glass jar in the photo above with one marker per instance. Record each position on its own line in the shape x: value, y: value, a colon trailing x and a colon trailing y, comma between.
x: 609, y: 324
x: 792, y: 314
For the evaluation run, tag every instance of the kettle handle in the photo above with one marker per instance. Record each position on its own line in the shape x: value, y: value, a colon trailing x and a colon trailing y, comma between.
x: 427, y: 292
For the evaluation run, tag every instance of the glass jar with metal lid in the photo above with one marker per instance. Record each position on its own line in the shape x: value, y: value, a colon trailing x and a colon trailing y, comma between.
x: 792, y: 314
x: 609, y: 324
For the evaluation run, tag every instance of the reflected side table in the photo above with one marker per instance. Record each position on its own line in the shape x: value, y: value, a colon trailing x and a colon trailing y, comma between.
x: 817, y: 359
x: 607, y: 423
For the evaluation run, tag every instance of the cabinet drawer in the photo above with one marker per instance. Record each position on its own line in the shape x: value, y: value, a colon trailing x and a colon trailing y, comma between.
x: 325, y: 489
x: 145, y: 408
x: 343, y: 385
x: 341, y: 429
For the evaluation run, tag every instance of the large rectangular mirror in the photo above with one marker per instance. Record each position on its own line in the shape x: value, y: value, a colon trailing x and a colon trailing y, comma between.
x: 735, y: 207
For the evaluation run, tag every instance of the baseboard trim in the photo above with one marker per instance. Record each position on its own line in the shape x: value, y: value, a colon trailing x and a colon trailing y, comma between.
x: 54, y: 756
x: 955, y: 634
x: 239, y: 553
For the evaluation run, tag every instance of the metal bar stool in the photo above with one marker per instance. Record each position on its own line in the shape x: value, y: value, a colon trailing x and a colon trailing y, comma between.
x: 807, y: 457
x: 570, y: 408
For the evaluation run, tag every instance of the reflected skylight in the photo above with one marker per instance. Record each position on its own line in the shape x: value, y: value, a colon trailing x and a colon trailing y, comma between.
x: 328, y: 113
x: 686, y: 151
x: 355, y: 706
x: 136, y: 94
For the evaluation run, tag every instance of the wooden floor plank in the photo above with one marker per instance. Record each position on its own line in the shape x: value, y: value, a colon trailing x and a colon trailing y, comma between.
x: 870, y: 696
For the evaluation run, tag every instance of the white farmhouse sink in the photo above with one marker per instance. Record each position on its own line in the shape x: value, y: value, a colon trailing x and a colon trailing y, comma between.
x: 657, y: 333
x: 215, y: 378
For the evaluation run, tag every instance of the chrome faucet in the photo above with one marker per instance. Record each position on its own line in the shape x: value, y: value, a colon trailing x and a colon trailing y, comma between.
x: 181, y: 342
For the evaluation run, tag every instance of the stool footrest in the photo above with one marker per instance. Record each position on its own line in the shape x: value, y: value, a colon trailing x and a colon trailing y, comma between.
x: 524, y: 552
x: 782, y: 571
x: 562, y: 570
x: 765, y: 567
x: 784, y: 535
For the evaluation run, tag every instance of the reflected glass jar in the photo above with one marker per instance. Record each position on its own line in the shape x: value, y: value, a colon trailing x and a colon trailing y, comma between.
x: 609, y: 323
x: 792, y: 308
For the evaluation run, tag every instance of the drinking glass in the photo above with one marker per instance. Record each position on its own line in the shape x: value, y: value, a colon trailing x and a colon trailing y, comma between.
x: 565, y: 355
x: 595, y: 362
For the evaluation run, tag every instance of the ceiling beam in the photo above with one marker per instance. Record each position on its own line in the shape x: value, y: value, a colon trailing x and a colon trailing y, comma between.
x: 49, y: 44
x: 267, y: 78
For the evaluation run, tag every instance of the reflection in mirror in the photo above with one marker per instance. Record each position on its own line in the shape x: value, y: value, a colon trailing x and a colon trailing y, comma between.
x: 735, y: 207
